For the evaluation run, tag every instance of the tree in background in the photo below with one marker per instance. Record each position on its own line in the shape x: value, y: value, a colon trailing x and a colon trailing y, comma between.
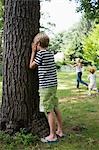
x: 46, y: 26
x: 20, y: 97
x: 91, y: 46
x: 56, y: 43
x: 74, y: 45
x: 90, y: 8
x: 70, y: 42
x: 1, y: 30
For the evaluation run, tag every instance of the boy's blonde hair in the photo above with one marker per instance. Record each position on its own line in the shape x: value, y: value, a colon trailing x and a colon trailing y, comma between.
x: 41, y: 38
x: 78, y: 60
x: 92, y: 70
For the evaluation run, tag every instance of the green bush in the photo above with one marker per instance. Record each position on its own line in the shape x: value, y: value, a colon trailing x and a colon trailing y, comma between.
x: 58, y: 65
x: 18, y: 139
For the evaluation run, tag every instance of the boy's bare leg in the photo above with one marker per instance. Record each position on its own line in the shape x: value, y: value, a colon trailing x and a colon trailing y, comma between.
x: 51, y: 121
x: 89, y: 90
x: 59, y: 123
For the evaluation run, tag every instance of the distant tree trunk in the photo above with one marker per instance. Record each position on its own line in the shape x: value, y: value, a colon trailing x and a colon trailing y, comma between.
x: 20, y: 97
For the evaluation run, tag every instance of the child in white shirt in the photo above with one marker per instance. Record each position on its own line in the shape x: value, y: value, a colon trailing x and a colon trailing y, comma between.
x: 92, y: 79
x: 78, y: 66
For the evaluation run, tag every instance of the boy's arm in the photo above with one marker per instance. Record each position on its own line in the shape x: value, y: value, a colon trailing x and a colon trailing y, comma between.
x: 33, y: 64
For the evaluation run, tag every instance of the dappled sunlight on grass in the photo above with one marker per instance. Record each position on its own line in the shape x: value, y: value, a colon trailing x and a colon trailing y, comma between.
x: 80, y: 116
x: 78, y: 98
x: 71, y: 92
x: 67, y: 86
x: 79, y: 109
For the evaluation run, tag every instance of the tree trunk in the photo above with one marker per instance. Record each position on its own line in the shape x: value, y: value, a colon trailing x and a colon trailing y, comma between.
x: 20, y: 97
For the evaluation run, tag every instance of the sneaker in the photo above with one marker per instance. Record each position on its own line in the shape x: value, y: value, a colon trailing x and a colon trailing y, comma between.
x: 45, y: 140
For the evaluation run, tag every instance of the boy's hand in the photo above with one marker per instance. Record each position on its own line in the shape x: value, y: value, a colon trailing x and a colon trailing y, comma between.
x: 34, y: 47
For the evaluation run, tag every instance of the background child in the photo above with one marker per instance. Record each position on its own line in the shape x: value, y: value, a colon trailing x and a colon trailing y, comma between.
x: 44, y: 59
x: 92, y: 80
x: 78, y: 66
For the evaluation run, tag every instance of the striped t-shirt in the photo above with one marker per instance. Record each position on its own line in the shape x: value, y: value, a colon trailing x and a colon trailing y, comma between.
x: 46, y: 68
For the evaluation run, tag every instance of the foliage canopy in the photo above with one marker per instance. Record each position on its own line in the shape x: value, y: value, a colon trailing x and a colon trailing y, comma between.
x: 90, y: 8
x: 91, y: 46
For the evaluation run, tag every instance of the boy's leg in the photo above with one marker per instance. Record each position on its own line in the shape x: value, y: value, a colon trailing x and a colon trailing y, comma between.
x: 89, y: 89
x: 51, y: 121
x: 48, y: 103
x: 59, y: 122
x: 95, y: 87
x: 89, y: 92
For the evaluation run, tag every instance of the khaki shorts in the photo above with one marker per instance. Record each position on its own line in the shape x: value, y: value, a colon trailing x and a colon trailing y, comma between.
x: 48, y: 99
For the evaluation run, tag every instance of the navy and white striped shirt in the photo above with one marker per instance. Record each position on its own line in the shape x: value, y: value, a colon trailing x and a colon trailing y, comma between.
x: 46, y: 68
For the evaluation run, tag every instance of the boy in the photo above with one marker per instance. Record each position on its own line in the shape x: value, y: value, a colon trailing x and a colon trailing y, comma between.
x: 92, y: 79
x: 44, y: 59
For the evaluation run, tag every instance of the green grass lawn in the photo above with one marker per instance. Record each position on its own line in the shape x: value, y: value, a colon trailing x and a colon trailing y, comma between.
x: 80, y: 114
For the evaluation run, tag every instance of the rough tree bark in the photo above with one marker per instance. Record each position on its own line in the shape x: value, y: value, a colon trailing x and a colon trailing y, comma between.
x: 20, y: 97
